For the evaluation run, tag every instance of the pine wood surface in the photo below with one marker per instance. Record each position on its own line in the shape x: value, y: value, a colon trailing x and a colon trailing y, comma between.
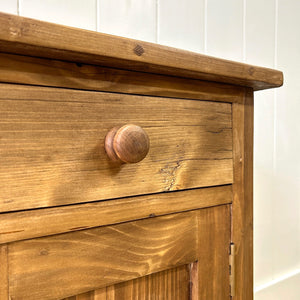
x: 209, y: 276
x: 213, y: 262
x: 89, y: 261
x: 29, y: 224
x: 172, y: 284
x: 37, y: 38
x: 194, y: 280
x: 85, y: 260
x: 52, y: 146
x: 55, y: 73
x: 242, y: 206
x: 4, y: 288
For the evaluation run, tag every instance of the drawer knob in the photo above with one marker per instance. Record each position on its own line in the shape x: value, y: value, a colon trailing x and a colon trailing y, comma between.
x: 128, y: 144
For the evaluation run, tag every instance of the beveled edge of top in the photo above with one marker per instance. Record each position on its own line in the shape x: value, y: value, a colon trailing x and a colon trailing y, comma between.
x: 31, y: 37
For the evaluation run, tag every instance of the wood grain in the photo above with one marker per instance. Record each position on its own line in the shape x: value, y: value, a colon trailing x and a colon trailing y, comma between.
x: 194, y: 280
x: 172, y: 284
x: 213, y: 262
x: 55, y: 73
x: 52, y: 146
x: 242, y: 206
x: 94, y: 258
x: 42, y: 222
x: 37, y: 38
x: 4, y: 280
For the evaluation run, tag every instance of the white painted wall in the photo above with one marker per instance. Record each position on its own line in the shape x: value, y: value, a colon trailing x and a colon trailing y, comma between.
x: 262, y: 32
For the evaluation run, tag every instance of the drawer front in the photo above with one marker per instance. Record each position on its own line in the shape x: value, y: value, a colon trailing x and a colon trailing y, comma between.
x: 52, y: 146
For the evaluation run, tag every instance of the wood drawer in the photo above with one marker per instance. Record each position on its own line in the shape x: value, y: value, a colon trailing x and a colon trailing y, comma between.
x: 52, y: 146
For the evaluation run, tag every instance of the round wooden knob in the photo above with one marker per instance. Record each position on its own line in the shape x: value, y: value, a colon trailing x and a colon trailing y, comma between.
x: 129, y: 144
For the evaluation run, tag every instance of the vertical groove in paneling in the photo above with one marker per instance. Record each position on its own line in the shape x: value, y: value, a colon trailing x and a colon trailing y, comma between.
x: 205, y: 27
x: 156, y: 21
x: 97, y: 14
x: 244, y: 30
x: 276, y: 33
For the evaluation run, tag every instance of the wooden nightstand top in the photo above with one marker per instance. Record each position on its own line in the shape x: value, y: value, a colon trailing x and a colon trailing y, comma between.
x: 26, y: 36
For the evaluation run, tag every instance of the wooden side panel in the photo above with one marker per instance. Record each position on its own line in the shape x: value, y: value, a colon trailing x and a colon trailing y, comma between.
x: 42, y: 222
x: 55, y: 73
x: 81, y: 261
x: 213, y: 263
x: 242, y: 207
x: 4, y: 285
x: 52, y: 146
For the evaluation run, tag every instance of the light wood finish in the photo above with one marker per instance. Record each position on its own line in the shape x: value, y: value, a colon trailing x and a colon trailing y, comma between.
x: 242, y: 207
x: 81, y: 261
x: 127, y: 144
x: 55, y: 73
x: 50, y: 221
x: 37, y: 38
x: 232, y: 270
x: 172, y: 284
x: 87, y: 260
x: 213, y: 261
x: 194, y: 280
x: 52, y: 150
x: 4, y: 288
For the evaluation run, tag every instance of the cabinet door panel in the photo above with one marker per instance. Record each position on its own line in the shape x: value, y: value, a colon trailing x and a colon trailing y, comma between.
x: 178, y: 256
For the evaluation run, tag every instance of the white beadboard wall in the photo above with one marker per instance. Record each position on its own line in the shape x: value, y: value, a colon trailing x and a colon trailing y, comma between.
x: 265, y: 33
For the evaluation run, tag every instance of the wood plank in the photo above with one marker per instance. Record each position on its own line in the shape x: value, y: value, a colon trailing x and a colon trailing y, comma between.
x: 55, y: 73
x: 52, y: 146
x: 242, y: 206
x: 4, y: 281
x: 194, y: 280
x: 213, y: 262
x: 100, y: 294
x: 42, y: 222
x: 37, y: 38
x: 86, y: 296
x: 172, y: 284
x: 94, y: 258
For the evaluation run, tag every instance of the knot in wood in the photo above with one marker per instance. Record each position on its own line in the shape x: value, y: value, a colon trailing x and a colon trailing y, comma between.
x: 138, y: 50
